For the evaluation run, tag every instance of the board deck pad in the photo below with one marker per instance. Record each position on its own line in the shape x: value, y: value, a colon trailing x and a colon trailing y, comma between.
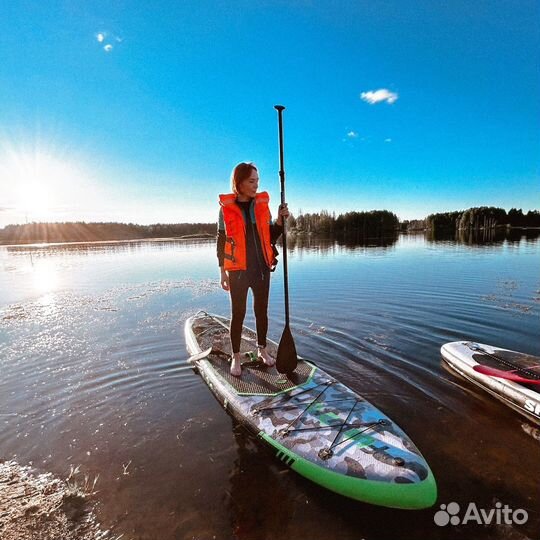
x: 527, y: 366
x: 318, y: 427
x: 210, y: 333
x: 256, y: 378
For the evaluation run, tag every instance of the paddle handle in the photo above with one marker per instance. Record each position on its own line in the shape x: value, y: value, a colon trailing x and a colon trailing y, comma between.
x: 280, y: 109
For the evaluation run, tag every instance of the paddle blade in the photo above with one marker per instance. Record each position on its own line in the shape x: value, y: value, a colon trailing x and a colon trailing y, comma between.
x: 286, y: 359
x: 508, y: 375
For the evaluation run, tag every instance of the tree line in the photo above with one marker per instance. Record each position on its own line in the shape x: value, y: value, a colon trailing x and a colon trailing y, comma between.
x: 484, y: 217
x: 379, y: 222
x: 350, y: 224
x: 373, y: 223
x: 92, y: 232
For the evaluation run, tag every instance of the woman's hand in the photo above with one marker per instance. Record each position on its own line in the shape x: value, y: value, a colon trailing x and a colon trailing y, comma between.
x: 283, y: 212
x: 224, y: 280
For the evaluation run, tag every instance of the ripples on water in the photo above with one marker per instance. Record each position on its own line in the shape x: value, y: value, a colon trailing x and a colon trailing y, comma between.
x: 94, y: 373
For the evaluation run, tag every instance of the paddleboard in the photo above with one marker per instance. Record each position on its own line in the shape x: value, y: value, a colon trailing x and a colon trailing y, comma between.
x: 468, y: 359
x: 313, y: 423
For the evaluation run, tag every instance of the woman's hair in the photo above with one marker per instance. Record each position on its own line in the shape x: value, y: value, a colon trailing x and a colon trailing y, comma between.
x: 240, y: 173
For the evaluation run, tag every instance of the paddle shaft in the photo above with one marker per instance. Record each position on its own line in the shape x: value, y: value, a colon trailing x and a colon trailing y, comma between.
x: 286, y: 359
x: 280, y: 109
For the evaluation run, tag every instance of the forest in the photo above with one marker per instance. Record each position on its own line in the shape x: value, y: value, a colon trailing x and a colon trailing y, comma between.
x: 375, y: 223
x: 94, y: 232
x: 483, y: 217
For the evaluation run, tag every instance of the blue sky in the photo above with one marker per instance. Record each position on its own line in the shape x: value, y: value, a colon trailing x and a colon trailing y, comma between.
x: 124, y: 111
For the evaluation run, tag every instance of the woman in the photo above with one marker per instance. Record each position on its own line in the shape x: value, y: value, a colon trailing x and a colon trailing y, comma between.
x: 246, y: 255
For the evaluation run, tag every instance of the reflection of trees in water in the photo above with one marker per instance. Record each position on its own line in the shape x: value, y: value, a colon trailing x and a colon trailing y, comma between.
x: 356, y: 240
x: 329, y: 243
x: 474, y: 237
x: 93, y: 248
x: 259, y: 502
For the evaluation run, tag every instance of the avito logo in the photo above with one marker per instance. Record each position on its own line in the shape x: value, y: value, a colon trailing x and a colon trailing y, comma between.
x: 501, y: 514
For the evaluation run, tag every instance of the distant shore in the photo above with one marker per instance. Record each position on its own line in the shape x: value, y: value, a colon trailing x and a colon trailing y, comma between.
x: 374, y: 223
x: 74, y: 232
x: 206, y: 236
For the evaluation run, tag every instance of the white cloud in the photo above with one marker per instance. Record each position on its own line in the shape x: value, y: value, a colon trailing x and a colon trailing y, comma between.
x: 352, y: 134
x: 108, y: 40
x: 377, y: 96
x: 387, y: 140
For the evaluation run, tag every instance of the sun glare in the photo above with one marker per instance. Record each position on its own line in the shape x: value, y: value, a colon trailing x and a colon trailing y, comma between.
x: 37, y: 184
x: 34, y: 198
x: 45, y: 277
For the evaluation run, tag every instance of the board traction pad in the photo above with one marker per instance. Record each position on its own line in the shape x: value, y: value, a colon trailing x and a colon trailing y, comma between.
x: 259, y: 379
x: 510, y: 361
x: 256, y: 378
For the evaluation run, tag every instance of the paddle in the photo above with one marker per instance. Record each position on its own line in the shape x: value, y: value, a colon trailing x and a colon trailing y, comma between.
x: 509, y: 375
x: 286, y: 359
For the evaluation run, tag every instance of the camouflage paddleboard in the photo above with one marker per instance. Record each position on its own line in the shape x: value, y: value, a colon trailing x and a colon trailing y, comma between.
x: 316, y: 425
x: 463, y: 356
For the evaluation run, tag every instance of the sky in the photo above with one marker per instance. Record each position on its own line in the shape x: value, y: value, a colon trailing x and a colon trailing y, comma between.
x: 137, y: 112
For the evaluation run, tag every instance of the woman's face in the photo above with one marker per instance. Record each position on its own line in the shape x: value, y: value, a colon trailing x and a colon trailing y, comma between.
x: 248, y: 187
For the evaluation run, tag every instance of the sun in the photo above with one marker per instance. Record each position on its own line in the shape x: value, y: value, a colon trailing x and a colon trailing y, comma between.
x: 36, y: 182
x: 34, y: 198
x: 38, y: 177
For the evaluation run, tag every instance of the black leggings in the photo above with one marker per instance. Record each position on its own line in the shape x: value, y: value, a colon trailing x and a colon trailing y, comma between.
x: 239, y: 283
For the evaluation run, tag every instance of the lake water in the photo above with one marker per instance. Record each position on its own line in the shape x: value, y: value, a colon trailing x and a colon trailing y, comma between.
x: 94, y: 373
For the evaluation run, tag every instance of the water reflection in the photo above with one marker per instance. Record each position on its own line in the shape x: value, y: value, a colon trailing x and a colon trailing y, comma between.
x: 470, y: 237
x: 478, y: 237
x: 45, y: 277
x: 113, y: 246
x: 255, y: 474
x: 328, y: 244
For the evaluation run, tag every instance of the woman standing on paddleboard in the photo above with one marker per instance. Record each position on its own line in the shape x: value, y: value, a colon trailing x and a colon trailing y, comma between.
x: 246, y: 255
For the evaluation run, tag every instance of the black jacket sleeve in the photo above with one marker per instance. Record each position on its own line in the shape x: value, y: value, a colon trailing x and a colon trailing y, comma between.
x: 275, y: 232
x: 220, y: 240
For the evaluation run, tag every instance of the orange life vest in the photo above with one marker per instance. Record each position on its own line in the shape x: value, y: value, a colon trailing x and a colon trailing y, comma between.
x: 235, y: 231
